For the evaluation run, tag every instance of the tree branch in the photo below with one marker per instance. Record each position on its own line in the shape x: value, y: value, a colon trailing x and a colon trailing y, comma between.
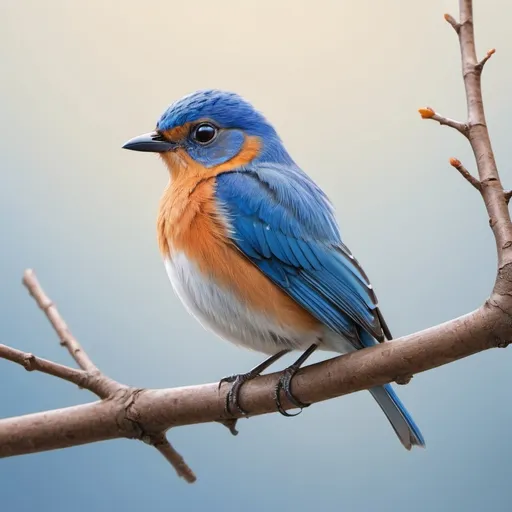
x: 146, y: 414
x: 451, y: 20
x: 161, y: 443
x: 138, y: 413
x: 89, y: 377
x: 429, y: 113
x: 33, y: 363
x: 492, y: 189
x: 465, y: 173
x: 489, y: 54
x: 50, y: 310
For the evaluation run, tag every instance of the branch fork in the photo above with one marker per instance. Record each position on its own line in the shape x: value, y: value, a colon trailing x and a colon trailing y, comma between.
x: 88, y: 376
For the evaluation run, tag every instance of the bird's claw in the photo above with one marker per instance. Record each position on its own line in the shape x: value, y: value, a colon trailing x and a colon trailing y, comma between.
x: 229, y: 379
x: 232, y: 398
x: 233, y: 395
x: 284, y: 384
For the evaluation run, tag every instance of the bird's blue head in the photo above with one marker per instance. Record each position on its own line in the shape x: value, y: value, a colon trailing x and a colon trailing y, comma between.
x: 213, y: 128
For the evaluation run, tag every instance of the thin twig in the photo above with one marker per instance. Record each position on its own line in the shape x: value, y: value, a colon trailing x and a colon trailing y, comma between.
x: 33, y: 363
x: 230, y: 424
x: 161, y: 443
x: 50, y: 310
x: 429, y: 113
x: 489, y: 54
x: 89, y: 377
x: 454, y: 162
x: 451, y: 20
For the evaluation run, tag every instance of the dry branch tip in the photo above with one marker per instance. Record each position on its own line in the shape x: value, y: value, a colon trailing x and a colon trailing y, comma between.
x: 451, y: 20
x: 161, y: 443
x: 426, y: 112
x: 489, y: 54
x: 430, y: 113
x: 455, y: 162
x: 230, y: 424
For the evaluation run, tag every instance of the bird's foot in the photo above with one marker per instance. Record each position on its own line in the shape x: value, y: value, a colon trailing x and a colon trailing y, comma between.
x: 284, y: 384
x: 233, y: 395
x: 285, y: 381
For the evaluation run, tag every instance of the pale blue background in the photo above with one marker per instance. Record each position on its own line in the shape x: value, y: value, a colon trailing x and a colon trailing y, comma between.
x: 342, y: 81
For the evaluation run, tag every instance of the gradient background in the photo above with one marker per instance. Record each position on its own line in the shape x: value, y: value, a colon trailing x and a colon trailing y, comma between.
x: 342, y: 81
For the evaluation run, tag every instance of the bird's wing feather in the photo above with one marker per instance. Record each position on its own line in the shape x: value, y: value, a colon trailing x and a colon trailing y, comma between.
x: 285, y: 225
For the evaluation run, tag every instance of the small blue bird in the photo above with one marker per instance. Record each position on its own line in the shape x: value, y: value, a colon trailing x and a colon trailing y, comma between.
x: 252, y: 247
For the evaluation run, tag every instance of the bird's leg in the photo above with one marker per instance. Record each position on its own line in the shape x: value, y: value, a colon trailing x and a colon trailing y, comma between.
x: 232, y: 398
x: 286, y: 379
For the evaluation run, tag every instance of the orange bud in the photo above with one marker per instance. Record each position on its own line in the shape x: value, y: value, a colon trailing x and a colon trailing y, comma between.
x: 455, y: 163
x: 492, y: 51
x: 426, y: 113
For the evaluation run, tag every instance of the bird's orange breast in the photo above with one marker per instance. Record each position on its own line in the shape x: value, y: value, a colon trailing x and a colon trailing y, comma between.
x: 189, y: 222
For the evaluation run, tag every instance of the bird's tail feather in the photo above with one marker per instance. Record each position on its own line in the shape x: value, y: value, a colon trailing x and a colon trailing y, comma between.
x: 401, y: 421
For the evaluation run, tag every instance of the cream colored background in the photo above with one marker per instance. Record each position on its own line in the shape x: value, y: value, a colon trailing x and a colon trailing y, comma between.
x: 342, y: 81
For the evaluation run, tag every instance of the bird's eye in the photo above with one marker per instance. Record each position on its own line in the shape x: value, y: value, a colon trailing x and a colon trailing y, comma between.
x: 204, y: 133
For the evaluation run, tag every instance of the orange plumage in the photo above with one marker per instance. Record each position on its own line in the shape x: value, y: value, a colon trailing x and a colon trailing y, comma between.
x: 189, y: 222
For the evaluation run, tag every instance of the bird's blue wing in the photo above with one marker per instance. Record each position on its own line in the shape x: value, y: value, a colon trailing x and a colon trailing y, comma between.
x: 285, y: 225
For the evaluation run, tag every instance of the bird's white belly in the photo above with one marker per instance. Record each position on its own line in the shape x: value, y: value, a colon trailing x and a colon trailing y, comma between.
x: 225, y: 314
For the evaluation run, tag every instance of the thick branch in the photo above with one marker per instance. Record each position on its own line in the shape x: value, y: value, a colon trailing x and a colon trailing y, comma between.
x: 492, y: 189
x: 140, y: 413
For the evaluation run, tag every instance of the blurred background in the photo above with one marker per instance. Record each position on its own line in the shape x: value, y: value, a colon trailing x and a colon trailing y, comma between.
x: 341, y: 81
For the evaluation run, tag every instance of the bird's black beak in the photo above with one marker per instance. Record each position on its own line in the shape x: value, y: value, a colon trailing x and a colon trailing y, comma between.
x: 153, y: 142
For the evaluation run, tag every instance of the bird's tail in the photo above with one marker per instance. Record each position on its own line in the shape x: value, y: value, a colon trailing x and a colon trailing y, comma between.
x: 401, y: 421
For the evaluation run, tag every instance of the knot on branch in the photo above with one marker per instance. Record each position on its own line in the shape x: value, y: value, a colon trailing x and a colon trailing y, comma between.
x: 128, y: 421
x: 402, y: 380
x: 29, y: 362
x: 504, y: 274
x: 132, y: 427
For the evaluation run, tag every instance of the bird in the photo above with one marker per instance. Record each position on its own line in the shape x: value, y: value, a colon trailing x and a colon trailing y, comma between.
x: 253, y: 249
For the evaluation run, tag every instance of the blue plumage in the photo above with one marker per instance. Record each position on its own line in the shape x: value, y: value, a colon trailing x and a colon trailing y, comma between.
x: 227, y: 145
x: 285, y: 225
x: 229, y: 111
